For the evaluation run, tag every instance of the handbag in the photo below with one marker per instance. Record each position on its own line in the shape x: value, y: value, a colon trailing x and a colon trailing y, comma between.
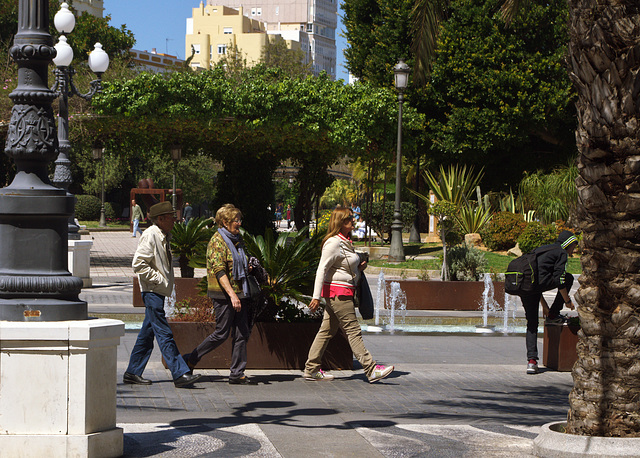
x: 362, y: 297
x: 254, y: 286
x: 365, y: 299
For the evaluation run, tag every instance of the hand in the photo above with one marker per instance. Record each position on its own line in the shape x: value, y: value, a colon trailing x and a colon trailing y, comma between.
x: 313, y: 305
x: 362, y: 266
x: 570, y: 305
x: 235, y: 303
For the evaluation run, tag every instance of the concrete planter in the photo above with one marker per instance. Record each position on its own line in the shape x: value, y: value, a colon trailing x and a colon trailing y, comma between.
x: 559, y: 347
x: 271, y: 346
x: 185, y: 288
x: 447, y: 295
x: 553, y: 442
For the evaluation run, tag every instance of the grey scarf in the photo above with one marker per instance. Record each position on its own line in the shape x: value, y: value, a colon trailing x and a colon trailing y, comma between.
x: 240, y: 268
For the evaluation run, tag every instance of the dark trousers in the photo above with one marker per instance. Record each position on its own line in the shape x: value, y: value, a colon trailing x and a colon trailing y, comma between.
x: 228, y: 322
x: 531, y: 305
x: 155, y: 324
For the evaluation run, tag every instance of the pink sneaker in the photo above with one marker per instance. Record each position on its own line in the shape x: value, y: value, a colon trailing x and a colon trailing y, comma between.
x: 380, y: 372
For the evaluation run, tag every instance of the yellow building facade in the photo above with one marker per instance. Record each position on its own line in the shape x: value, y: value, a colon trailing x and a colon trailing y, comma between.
x: 214, y: 30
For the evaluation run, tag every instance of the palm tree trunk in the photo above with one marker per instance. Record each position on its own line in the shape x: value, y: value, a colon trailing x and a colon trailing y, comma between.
x: 604, y: 63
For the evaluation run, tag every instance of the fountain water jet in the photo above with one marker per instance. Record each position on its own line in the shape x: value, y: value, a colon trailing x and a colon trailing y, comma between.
x: 489, y: 304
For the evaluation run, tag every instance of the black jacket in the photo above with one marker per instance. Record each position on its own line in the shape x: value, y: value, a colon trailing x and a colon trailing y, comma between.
x: 552, y: 266
x: 552, y: 261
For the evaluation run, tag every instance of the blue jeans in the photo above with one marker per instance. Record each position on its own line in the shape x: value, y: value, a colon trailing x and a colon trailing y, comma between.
x: 155, y: 323
x: 136, y: 228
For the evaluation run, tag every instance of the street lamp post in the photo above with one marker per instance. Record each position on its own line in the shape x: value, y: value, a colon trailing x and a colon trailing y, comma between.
x: 64, y: 88
x: 176, y: 155
x: 396, y: 250
x: 98, y: 153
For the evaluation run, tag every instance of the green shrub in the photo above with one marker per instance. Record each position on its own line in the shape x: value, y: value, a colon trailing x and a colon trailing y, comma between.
x: 535, y: 235
x: 407, y: 209
x: 466, y: 263
x: 110, y: 212
x: 502, y: 232
x: 88, y: 208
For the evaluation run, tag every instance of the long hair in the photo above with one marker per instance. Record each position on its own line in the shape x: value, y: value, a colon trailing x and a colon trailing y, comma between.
x: 336, y: 220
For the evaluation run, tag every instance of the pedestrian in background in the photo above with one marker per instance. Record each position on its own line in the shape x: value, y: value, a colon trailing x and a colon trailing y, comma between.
x: 336, y: 279
x: 552, y: 265
x: 136, y: 217
x: 229, y: 290
x: 152, y: 265
x: 187, y: 213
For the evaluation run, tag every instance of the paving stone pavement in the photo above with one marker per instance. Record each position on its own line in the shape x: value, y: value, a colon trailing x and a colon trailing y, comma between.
x: 450, y: 395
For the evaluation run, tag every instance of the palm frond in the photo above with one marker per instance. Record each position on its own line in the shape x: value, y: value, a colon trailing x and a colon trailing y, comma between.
x: 425, y: 23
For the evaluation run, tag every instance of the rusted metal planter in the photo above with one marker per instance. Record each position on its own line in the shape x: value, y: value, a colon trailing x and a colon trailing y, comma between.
x: 271, y: 346
x: 559, y: 347
x: 185, y: 288
x: 447, y: 295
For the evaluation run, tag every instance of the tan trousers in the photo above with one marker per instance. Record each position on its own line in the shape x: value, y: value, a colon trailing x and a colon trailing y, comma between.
x: 339, y: 312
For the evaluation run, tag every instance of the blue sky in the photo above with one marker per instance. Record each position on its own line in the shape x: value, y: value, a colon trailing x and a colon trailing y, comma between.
x: 161, y: 24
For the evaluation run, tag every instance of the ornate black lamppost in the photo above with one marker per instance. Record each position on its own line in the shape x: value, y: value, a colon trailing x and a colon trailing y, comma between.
x: 396, y: 251
x: 98, y: 153
x: 64, y: 22
x: 35, y: 283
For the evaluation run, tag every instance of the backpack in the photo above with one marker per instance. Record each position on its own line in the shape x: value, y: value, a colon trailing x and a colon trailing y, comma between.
x: 521, y: 276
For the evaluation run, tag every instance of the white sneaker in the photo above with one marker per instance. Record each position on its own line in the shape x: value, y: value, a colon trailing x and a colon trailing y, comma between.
x: 380, y: 372
x: 318, y: 376
x: 532, y: 368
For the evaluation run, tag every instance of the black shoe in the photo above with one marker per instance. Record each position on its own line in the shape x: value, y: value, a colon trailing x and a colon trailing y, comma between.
x: 244, y: 380
x: 186, y: 380
x: 135, y: 379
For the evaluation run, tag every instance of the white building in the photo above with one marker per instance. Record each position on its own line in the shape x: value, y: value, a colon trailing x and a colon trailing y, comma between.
x: 318, y: 18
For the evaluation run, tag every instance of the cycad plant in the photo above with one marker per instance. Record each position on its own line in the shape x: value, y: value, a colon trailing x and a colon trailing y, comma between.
x: 190, y: 240
x: 291, y: 262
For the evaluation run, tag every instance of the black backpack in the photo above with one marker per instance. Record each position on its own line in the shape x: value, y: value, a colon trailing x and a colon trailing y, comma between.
x: 521, y: 276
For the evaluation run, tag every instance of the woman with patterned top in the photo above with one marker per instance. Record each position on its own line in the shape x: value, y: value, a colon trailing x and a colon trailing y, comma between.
x: 227, y: 270
x: 336, y: 279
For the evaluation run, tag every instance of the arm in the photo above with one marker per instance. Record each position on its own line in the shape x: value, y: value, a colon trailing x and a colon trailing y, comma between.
x: 226, y: 285
x: 216, y: 263
x: 330, y: 252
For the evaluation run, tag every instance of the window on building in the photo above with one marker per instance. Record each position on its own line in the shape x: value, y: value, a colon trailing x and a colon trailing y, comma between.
x: 222, y: 49
x: 210, y: 51
x: 277, y: 10
x: 310, y: 27
x: 259, y: 11
x: 196, y: 49
x: 253, y: 11
x: 227, y: 30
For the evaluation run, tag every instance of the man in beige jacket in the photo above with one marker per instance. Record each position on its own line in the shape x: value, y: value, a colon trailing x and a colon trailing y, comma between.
x: 152, y: 264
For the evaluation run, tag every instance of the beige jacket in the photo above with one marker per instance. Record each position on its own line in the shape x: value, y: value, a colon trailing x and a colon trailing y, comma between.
x: 338, y: 265
x: 152, y: 262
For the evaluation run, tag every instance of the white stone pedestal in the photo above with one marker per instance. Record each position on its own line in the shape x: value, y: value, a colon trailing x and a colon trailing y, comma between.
x: 79, y: 260
x: 58, y: 389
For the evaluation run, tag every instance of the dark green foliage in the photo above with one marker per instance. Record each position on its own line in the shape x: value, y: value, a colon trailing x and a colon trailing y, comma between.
x: 502, y: 232
x: 89, y: 30
x: 535, y: 235
x: 189, y: 241
x: 466, y: 263
x: 377, y: 33
x: 291, y: 262
x: 246, y: 183
x: 502, y: 94
x: 375, y: 219
x: 88, y: 208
